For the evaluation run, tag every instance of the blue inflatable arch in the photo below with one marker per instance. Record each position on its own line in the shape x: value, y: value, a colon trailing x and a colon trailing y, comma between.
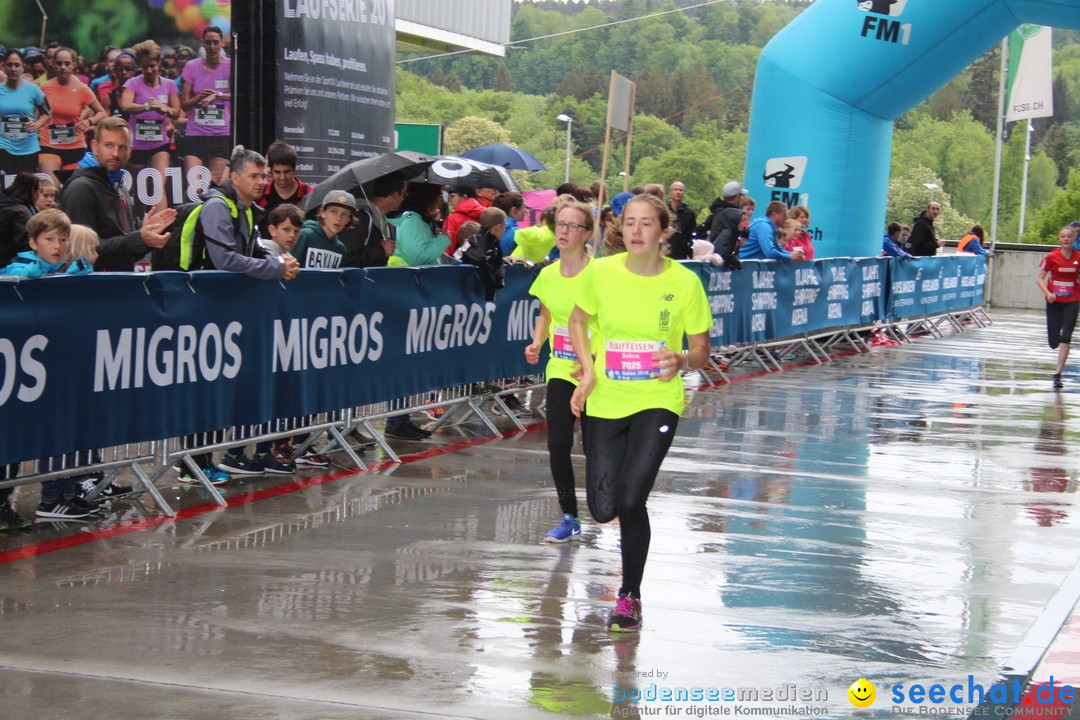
x: 830, y: 84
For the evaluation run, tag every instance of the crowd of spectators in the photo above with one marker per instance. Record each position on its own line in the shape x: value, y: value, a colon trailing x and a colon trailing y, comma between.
x: 175, y: 100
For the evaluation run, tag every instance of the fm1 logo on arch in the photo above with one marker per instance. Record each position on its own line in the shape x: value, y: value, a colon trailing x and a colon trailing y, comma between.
x: 786, y: 174
x: 883, y: 29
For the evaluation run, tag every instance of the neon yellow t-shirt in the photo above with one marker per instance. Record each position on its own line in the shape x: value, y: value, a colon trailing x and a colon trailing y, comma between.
x: 636, y: 316
x: 534, y: 243
x: 558, y: 294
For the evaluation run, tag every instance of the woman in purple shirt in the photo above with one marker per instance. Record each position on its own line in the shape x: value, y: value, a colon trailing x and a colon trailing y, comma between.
x: 207, y: 99
x: 151, y: 104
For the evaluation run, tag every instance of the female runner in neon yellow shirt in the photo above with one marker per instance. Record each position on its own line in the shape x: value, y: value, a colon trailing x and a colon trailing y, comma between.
x: 644, y: 306
x: 556, y: 288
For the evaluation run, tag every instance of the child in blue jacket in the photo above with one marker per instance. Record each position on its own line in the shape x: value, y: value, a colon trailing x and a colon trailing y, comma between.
x: 49, y: 252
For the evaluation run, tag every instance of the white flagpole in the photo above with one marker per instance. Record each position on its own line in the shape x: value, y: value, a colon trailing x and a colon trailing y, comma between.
x: 997, y: 151
x: 1027, y: 164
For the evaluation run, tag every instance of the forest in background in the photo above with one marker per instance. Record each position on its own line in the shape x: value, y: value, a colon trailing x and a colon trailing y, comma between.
x: 694, y: 71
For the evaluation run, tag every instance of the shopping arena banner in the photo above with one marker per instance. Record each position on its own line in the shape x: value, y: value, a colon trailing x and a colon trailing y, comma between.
x: 933, y: 285
x: 767, y: 300
x: 335, y: 82
x: 158, y: 355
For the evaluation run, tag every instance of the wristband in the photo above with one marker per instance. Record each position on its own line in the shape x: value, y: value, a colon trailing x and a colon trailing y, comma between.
x: 146, y: 106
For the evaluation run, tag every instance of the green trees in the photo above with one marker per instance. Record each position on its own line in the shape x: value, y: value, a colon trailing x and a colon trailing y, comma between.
x: 472, y: 131
x: 1057, y: 213
x: 694, y: 72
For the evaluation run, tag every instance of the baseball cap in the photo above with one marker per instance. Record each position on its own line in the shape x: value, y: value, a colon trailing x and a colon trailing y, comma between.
x: 733, y: 188
x: 340, y: 197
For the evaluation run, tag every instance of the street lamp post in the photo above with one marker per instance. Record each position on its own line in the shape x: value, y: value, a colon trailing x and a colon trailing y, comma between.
x: 569, y: 123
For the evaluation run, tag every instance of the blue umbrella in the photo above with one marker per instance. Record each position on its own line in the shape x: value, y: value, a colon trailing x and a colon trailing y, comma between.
x: 505, y: 156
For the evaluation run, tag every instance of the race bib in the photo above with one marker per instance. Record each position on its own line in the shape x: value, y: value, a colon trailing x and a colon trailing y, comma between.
x: 1062, y: 288
x: 150, y: 130
x: 631, y: 359
x: 561, y: 346
x: 14, y: 128
x: 62, y: 134
x: 211, y: 116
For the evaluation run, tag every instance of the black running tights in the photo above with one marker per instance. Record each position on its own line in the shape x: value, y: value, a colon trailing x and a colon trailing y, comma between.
x: 622, y: 458
x: 561, y: 442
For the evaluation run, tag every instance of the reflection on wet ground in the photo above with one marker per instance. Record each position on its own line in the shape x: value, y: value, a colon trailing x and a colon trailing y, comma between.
x: 901, y: 516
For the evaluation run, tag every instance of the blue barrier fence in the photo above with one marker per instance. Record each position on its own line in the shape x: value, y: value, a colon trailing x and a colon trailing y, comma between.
x: 104, y: 360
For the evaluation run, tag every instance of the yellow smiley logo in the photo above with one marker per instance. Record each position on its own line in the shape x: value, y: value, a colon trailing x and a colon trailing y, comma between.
x: 862, y: 693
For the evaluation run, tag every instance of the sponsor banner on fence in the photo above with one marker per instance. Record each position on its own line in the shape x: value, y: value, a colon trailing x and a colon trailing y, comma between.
x: 101, y: 360
x: 932, y: 285
x: 167, y: 354
x: 767, y: 300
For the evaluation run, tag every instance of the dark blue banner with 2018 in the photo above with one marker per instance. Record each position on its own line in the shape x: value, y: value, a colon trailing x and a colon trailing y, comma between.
x: 101, y: 360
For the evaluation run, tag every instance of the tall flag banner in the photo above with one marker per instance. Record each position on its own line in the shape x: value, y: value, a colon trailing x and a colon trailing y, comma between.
x: 1029, y: 93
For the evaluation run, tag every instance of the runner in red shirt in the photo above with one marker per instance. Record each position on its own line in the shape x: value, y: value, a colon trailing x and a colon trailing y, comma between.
x: 1062, y: 294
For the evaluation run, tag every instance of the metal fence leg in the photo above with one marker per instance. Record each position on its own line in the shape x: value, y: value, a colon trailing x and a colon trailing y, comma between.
x: 475, y: 407
x: 380, y: 440
x: 806, y: 343
x: 198, y: 474
x: 149, y: 486
x: 506, y: 410
x: 335, y: 433
x: 712, y: 364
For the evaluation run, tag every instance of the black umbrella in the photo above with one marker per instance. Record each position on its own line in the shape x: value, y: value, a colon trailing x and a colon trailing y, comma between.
x: 353, y: 175
x: 462, y: 172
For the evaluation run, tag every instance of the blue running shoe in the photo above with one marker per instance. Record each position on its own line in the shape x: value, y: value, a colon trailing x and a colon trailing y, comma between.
x: 568, y: 529
x: 215, y: 475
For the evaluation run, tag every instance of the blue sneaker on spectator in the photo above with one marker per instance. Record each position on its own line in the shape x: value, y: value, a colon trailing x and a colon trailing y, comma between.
x: 215, y: 475
x: 568, y: 529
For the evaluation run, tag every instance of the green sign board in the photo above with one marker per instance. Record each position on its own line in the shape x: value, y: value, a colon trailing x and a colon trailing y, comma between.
x: 425, y: 139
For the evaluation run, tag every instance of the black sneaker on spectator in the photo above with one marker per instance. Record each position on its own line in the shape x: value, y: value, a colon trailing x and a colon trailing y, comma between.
x: 62, y: 509
x: 313, y: 459
x: 274, y: 464
x: 237, y: 463
x: 11, y: 520
x: 362, y: 440
x: 406, y: 431
x: 112, y: 490
x: 516, y: 407
x: 483, y: 389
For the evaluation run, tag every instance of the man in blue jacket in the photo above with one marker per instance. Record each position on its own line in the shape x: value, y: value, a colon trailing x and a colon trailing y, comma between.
x: 762, y: 243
